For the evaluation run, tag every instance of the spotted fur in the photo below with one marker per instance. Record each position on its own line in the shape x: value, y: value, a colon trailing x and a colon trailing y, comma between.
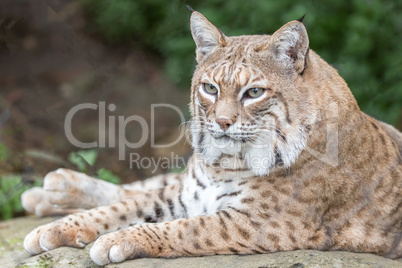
x: 299, y: 167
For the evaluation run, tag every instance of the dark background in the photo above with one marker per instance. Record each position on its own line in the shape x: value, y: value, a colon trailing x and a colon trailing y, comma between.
x: 134, y: 53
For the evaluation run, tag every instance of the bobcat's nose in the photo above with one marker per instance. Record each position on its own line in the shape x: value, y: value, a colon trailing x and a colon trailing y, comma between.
x: 224, y: 122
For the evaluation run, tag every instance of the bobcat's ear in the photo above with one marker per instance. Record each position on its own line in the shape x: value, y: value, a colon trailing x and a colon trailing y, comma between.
x: 290, y: 45
x: 206, y: 36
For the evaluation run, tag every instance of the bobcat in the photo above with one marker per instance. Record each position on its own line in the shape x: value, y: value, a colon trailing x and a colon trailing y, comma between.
x: 283, y: 160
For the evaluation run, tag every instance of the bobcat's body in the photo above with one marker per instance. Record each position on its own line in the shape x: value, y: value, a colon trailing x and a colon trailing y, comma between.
x: 297, y: 167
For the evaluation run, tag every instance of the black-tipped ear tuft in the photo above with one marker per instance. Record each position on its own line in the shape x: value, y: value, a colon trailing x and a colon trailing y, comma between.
x: 302, y: 18
x: 189, y: 8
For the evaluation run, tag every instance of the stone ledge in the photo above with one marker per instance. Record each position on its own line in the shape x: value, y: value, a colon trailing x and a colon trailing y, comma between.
x: 12, y: 254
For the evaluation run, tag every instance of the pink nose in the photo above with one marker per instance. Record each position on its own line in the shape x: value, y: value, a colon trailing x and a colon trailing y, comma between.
x: 224, y: 122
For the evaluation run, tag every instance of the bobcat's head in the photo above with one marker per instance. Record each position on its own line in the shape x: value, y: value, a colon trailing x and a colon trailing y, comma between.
x: 246, y: 98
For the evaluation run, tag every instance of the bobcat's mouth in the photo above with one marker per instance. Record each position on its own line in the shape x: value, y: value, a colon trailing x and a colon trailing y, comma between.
x: 233, y: 135
x: 230, y: 136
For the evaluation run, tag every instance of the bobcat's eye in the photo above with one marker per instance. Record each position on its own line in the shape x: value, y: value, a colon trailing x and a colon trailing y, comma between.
x: 210, y: 89
x: 255, y: 92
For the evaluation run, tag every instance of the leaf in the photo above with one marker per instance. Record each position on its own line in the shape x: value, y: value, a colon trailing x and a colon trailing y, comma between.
x: 107, y: 175
x: 83, y: 158
x: 177, y: 169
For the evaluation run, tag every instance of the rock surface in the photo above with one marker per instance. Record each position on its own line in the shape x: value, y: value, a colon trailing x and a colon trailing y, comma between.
x: 12, y: 254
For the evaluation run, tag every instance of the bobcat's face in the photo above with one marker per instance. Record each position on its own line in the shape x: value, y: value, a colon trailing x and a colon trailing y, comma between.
x: 245, y: 100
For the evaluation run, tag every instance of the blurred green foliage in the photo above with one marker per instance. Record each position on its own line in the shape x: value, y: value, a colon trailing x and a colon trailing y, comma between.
x: 108, y: 175
x: 361, y: 38
x: 84, y: 159
x: 11, y: 188
x: 4, y: 152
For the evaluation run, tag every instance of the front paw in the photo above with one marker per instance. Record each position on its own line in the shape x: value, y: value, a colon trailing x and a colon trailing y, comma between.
x: 117, y: 247
x: 57, y: 234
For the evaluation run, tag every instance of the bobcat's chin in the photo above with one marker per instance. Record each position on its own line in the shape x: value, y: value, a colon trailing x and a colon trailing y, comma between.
x: 216, y: 148
x: 233, y: 154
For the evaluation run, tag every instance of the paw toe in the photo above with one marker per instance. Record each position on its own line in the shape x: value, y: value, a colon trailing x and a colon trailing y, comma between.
x: 99, y: 252
x: 55, y: 181
x: 117, y: 254
x: 50, y: 239
x: 32, y: 197
x: 31, y: 242
x: 114, y: 248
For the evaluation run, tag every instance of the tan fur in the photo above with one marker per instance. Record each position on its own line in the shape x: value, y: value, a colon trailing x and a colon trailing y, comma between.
x: 334, y: 180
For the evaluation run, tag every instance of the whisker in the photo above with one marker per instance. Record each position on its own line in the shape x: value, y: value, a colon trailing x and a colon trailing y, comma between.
x: 275, y: 131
